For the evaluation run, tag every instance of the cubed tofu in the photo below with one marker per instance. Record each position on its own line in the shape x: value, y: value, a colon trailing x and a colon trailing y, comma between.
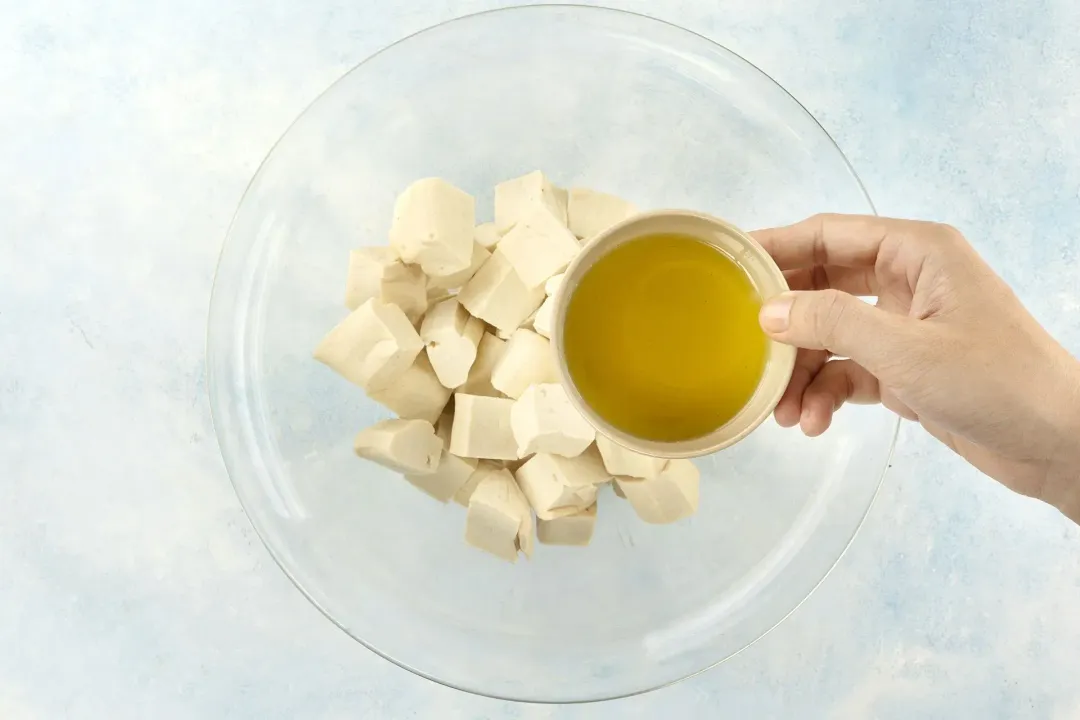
x: 449, y: 477
x: 479, y: 257
x: 499, y: 520
x: 433, y: 227
x: 407, y: 446
x: 372, y: 347
x: 443, y: 427
x: 482, y: 428
x: 378, y: 273
x: 488, y: 353
x: 416, y: 394
x: 590, y: 213
x: 553, y: 284
x: 576, y: 529
x: 497, y: 295
x: 672, y: 495
x: 557, y: 486
x: 527, y: 360
x: 452, y: 338
x: 483, y: 469
x: 543, y: 420
x: 538, y: 247
x: 486, y: 235
x: 623, y: 461
x: 544, y: 321
x: 516, y: 198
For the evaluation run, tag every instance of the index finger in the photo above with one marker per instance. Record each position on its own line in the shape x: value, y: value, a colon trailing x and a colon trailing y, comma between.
x: 841, y: 240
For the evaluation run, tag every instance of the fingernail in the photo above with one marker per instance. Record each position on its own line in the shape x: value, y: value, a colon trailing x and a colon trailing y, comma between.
x: 775, y: 314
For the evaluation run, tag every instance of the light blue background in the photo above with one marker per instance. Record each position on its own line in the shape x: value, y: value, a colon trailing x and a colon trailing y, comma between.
x: 132, y: 585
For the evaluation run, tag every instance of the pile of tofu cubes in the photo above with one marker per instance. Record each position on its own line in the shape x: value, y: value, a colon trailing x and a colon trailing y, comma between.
x: 449, y: 329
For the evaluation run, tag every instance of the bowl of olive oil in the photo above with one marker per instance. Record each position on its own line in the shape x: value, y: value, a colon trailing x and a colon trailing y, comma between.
x: 657, y: 335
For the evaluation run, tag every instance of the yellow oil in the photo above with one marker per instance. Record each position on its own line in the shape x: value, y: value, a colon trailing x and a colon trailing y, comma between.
x: 662, y: 338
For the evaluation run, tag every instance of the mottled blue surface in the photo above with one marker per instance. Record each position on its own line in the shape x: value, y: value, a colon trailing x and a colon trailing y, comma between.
x: 132, y: 584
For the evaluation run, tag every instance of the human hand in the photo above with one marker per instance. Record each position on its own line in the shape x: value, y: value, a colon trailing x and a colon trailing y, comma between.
x: 947, y: 345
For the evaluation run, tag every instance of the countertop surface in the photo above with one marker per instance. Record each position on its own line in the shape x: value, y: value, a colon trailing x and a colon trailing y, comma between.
x: 132, y: 584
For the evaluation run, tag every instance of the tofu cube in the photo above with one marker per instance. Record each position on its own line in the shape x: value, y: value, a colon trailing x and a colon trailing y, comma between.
x: 514, y: 199
x: 482, y: 428
x: 456, y: 280
x: 486, y: 235
x: 483, y: 469
x: 433, y: 227
x: 378, y: 273
x: 538, y: 247
x: 416, y: 394
x: 407, y: 446
x: 557, y: 486
x: 543, y: 420
x: 499, y: 520
x: 372, y: 347
x: 670, y: 496
x: 576, y: 529
x: 452, y: 338
x: 527, y: 360
x: 544, y: 320
x: 488, y: 353
x: 553, y: 284
x: 590, y: 213
x: 497, y: 295
x: 443, y: 427
x: 451, y: 474
x: 623, y: 461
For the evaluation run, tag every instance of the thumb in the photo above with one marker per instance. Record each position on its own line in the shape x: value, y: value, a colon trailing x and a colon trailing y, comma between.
x: 835, y: 321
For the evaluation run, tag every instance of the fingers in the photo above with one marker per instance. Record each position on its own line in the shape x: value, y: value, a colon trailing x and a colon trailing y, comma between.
x: 838, y: 322
x: 807, y: 364
x: 839, y: 381
x: 842, y: 240
x: 856, y: 281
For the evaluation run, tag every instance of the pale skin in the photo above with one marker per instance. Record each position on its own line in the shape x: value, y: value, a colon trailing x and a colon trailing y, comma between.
x: 947, y: 345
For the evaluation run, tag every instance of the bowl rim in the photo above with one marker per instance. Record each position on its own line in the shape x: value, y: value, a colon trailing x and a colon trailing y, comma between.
x: 763, y: 274
x: 217, y: 310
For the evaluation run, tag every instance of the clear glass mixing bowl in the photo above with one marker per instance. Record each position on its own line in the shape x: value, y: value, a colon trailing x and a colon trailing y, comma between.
x: 596, y: 98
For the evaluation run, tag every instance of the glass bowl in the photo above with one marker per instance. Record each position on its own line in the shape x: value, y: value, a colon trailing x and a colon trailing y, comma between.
x: 597, y: 98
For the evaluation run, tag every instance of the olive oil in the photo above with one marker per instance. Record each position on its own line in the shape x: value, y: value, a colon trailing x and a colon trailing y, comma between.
x: 662, y: 337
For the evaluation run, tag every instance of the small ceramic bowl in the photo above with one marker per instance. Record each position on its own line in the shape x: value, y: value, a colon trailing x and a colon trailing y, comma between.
x: 766, y: 278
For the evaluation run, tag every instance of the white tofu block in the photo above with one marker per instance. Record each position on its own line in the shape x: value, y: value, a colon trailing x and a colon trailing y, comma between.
x: 539, y: 247
x: 544, y: 320
x: 408, y: 446
x: 416, y: 394
x: 479, y: 257
x: 527, y: 360
x: 623, y: 461
x: 452, y: 338
x: 372, y: 347
x: 498, y: 296
x: 486, y: 235
x: 576, y: 529
x: 670, y: 496
x: 449, y: 477
x: 483, y: 469
x: 557, y: 486
x: 514, y: 199
x: 482, y: 428
x: 433, y: 227
x: 543, y: 420
x: 378, y: 273
x: 488, y: 353
x: 553, y: 284
x: 499, y: 520
x: 590, y: 213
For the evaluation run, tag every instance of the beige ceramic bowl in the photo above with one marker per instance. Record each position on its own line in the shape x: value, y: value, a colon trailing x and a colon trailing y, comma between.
x: 767, y: 279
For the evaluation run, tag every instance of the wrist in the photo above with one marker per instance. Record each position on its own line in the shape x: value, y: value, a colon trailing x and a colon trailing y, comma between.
x: 1062, y: 487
